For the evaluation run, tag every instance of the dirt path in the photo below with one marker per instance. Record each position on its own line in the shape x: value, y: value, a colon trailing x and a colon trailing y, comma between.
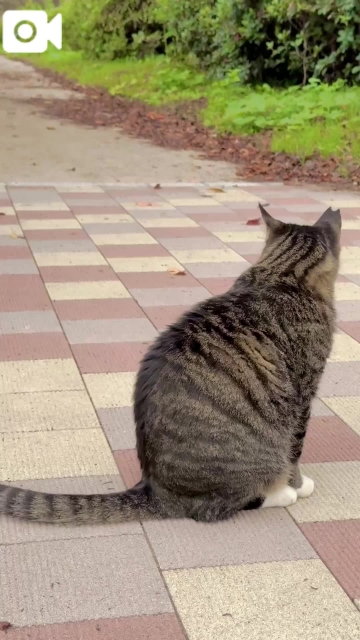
x: 39, y: 149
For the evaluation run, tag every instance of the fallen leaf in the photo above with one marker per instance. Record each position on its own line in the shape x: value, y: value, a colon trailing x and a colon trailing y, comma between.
x: 5, y: 625
x: 176, y: 272
x: 157, y: 186
x: 16, y: 235
x: 155, y: 116
x: 51, y: 128
x: 144, y: 204
x: 217, y: 190
x: 2, y: 213
x: 254, y: 222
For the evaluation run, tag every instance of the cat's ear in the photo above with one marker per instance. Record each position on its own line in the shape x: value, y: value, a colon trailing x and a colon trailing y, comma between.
x: 330, y: 217
x: 271, y: 223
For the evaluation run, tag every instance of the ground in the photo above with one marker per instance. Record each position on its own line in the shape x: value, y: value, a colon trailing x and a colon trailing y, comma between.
x: 89, y: 273
x: 44, y: 149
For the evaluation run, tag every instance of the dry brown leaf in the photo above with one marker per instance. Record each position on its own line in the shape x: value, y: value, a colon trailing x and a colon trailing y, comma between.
x: 217, y: 190
x: 157, y: 186
x: 16, y: 235
x: 254, y: 222
x: 144, y: 204
x: 2, y: 213
x: 5, y: 625
x: 176, y: 272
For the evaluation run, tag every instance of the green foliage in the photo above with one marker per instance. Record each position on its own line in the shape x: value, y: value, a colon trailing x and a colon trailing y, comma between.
x: 273, y: 41
x: 109, y: 29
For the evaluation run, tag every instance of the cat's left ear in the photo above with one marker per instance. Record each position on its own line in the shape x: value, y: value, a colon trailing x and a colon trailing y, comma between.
x: 271, y: 223
x: 332, y: 218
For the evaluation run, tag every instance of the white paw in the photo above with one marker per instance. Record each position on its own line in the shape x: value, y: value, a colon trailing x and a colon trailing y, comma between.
x: 306, y: 488
x: 284, y: 497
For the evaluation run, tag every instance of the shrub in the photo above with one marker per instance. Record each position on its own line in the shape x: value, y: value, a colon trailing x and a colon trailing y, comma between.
x: 109, y: 29
x: 273, y: 41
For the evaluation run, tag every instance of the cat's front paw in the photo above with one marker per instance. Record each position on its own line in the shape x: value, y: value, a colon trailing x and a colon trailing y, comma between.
x: 306, y: 488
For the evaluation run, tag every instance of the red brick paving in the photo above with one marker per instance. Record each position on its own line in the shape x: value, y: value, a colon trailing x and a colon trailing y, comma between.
x: 129, y: 467
x: 329, y: 439
x: 109, y: 358
x: 97, y: 309
x: 33, y: 346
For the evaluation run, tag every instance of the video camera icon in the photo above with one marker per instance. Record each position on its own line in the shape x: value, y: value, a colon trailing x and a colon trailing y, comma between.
x: 30, y: 31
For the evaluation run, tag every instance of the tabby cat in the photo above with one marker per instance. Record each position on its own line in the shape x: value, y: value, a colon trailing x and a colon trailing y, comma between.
x: 222, y: 399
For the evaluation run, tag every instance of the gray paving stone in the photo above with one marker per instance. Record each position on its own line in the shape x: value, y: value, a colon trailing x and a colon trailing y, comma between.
x: 18, y: 267
x: 168, y: 296
x: 119, y: 427
x: 29, y: 322
x: 108, y: 330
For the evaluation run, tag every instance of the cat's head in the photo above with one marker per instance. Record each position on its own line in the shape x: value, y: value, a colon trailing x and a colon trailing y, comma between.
x: 309, y: 252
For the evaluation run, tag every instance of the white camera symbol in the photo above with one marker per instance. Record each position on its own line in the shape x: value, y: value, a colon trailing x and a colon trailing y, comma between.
x: 30, y: 32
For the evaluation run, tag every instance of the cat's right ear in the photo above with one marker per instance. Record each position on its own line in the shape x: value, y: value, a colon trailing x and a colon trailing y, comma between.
x: 271, y: 223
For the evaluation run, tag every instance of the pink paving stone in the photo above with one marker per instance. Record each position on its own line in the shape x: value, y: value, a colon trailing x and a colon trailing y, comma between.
x: 33, y: 346
x: 98, y: 210
x: 349, y: 237
x: 77, y: 274
x: 129, y: 466
x: 351, y: 328
x: 157, y: 279
x: 97, y: 309
x: 109, y: 358
x: 56, y: 234
x: 15, y: 253
x: 133, y: 251
x: 284, y: 202
x: 217, y: 286
x: 229, y: 216
x: 329, y: 439
x: 178, y: 232
x: 44, y: 215
x: 5, y: 220
x: 23, y: 293
x: 253, y: 258
x: 337, y: 544
x: 159, y: 627
x: 161, y: 317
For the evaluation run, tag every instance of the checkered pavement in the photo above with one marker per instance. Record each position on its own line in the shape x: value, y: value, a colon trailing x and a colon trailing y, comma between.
x: 87, y: 279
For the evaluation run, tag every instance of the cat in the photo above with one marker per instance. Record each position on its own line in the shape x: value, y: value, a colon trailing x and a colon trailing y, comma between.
x: 222, y: 398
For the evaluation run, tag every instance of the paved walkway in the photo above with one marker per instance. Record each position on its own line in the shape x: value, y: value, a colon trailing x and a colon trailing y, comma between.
x: 87, y: 280
x: 40, y: 149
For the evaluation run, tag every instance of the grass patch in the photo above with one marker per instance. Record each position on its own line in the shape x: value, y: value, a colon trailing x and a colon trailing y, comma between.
x: 317, y: 118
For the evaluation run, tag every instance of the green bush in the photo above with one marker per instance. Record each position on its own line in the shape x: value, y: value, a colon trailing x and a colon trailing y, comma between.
x: 110, y: 29
x: 272, y: 41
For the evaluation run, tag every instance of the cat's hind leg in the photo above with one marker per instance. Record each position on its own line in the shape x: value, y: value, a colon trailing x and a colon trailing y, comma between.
x: 281, y: 497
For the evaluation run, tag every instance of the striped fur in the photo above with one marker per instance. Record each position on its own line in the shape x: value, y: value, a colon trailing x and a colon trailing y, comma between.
x: 222, y: 399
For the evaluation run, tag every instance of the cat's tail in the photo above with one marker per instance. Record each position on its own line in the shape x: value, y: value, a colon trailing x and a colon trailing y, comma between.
x: 78, y: 509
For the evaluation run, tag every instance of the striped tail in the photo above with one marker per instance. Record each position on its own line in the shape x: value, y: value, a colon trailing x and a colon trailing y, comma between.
x: 78, y: 509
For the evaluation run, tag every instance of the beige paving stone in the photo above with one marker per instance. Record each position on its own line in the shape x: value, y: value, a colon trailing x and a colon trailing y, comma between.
x: 145, y: 206
x: 275, y: 600
x: 103, y: 239
x: 79, y: 188
x: 351, y: 224
x: 142, y: 265
x: 12, y: 230
x: 347, y: 291
x: 111, y: 389
x: 343, y: 203
x: 168, y: 222
x: 207, y: 255
x: 58, y: 581
x: 61, y: 223
x: 193, y: 202
x: 7, y: 211
x: 55, y: 454
x: 236, y: 195
x: 104, y: 218
x: 39, y: 375
x: 345, y: 349
x: 336, y: 495
x: 240, y: 236
x: 87, y: 290
x: 41, y: 206
x: 350, y: 260
x: 347, y: 408
x: 46, y: 411
x: 69, y: 259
